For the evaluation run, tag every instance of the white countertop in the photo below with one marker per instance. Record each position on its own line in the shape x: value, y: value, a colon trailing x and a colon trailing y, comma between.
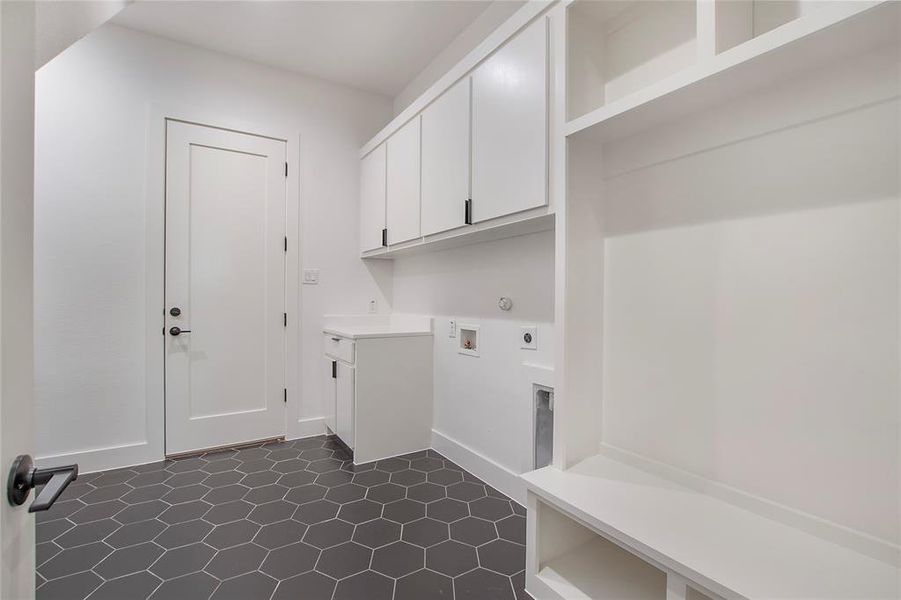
x: 358, y: 327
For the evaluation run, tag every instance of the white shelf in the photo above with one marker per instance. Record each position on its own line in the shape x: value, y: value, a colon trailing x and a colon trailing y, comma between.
x: 596, y: 570
x: 722, y: 548
x: 836, y: 30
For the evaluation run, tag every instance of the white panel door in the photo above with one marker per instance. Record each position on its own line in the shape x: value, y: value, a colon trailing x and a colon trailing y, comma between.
x: 445, y: 160
x: 509, y: 127
x: 344, y: 414
x: 329, y: 374
x: 372, y: 199
x: 403, y: 183
x: 225, y: 275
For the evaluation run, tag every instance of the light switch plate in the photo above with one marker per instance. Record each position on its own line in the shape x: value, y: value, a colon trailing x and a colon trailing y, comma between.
x: 528, y: 337
x: 311, y: 276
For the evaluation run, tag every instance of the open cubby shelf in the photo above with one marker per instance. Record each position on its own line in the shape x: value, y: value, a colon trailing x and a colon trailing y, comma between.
x: 635, y: 65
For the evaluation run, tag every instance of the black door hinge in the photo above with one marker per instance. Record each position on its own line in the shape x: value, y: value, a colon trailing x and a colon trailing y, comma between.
x: 286, y: 395
x: 286, y: 169
x: 286, y: 243
x: 334, y: 369
x: 467, y: 212
x: 384, y: 237
x: 286, y: 319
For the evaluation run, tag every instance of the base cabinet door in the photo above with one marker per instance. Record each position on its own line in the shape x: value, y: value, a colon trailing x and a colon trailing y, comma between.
x: 329, y: 392
x: 344, y: 404
x: 509, y: 127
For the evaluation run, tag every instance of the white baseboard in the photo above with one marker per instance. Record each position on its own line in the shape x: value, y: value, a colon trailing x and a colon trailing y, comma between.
x: 492, y: 473
x: 103, y: 459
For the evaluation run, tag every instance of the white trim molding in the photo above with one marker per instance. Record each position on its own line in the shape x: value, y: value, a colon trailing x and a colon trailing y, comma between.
x: 494, y: 474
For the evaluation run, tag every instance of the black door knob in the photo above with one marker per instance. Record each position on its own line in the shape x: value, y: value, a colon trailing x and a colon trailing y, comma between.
x: 175, y: 331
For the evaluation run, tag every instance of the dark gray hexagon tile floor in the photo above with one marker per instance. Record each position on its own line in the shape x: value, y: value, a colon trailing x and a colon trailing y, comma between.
x: 283, y: 521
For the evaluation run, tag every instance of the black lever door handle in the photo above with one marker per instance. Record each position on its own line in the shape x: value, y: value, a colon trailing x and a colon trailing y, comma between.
x: 178, y: 331
x: 23, y: 476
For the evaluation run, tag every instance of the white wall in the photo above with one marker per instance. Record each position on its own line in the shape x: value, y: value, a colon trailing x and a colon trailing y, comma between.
x: 752, y: 302
x: 483, y: 410
x: 96, y: 262
x: 496, y: 13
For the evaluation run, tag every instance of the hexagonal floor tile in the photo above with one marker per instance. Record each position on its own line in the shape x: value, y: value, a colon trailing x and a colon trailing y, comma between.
x: 360, y: 511
x: 426, y: 464
x: 135, y: 533
x: 186, y: 478
x: 408, y: 477
x: 138, y: 585
x: 185, y: 512
x: 186, y: 493
x: 473, y: 531
x: 79, y: 585
x: 345, y: 493
x: 231, y: 534
x: 404, y: 511
x: 378, y: 532
x: 424, y: 585
x: 490, y: 508
x: 425, y: 532
x: 73, y: 560
x: 309, y: 586
x: 183, y: 534
x: 89, y: 532
x: 445, y: 477
x: 223, y: 479
x: 371, y: 478
x: 390, y: 465
x: 447, y: 510
x: 334, y: 478
x: 368, y: 584
x: 251, y: 585
x: 344, y: 560
x: 466, y: 491
x: 426, y: 492
x: 503, y: 556
x: 182, y: 560
x: 280, y: 534
x: 482, y: 585
x: 195, y: 585
x: 398, y: 559
x: 316, y: 511
x: 513, y: 529
x: 291, y: 560
x: 141, y: 512
x: 128, y: 560
x: 266, y: 493
x: 253, y: 480
x: 328, y: 533
x: 296, y: 479
x: 272, y: 512
x: 144, y: 494
x: 228, y: 512
x: 324, y: 466
x: 226, y: 493
x: 306, y: 493
x: 451, y: 558
x: 236, y: 561
x: 385, y: 492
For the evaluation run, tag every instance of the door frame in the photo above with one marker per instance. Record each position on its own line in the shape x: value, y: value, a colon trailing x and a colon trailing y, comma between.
x: 153, y: 447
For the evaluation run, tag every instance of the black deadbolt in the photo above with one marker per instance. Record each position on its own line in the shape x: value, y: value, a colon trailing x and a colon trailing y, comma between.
x: 527, y: 338
x: 174, y: 311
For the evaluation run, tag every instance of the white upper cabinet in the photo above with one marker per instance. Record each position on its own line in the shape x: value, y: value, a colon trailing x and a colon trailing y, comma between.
x: 509, y: 127
x: 372, y: 199
x: 403, y: 183
x: 445, y: 160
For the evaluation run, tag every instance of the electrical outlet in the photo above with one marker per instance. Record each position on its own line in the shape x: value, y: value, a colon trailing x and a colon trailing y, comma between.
x: 373, y: 306
x: 311, y: 276
x: 529, y: 338
x: 452, y: 328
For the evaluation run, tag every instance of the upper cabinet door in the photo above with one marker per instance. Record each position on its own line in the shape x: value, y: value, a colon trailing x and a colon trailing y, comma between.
x: 445, y: 160
x: 372, y: 199
x: 403, y: 183
x: 509, y: 127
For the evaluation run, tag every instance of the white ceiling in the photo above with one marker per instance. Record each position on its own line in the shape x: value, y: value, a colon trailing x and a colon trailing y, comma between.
x: 378, y: 46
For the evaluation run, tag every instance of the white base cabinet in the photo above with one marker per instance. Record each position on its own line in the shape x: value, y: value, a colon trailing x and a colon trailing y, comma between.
x: 379, y: 393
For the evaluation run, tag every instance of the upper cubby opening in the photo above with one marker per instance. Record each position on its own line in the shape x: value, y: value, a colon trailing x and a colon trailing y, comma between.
x: 738, y: 21
x: 617, y: 47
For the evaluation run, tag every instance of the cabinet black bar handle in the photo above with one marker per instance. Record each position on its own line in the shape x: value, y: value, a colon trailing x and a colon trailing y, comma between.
x: 384, y: 237
x: 467, y: 212
x: 334, y: 369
